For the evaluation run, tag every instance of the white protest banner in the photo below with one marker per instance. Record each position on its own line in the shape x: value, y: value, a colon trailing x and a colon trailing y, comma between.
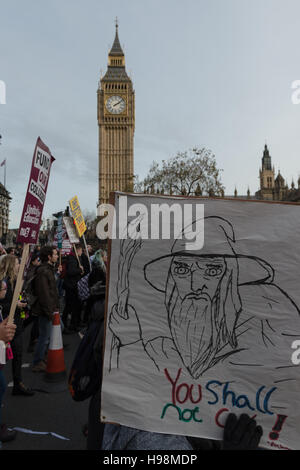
x: 71, y: 230
x: 194, y: 334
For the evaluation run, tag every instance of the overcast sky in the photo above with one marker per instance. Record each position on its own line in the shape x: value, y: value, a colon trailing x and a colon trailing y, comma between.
x: 211, y: 73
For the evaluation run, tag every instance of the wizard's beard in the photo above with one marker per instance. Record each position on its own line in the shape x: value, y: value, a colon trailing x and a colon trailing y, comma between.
x: 200, y: 327
x: 193, y: 331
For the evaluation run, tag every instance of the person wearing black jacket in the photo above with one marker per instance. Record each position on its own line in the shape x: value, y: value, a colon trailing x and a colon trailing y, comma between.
x: 95, y: 314
x: 85, y: 263
x: 73, y: 305
x: 32, y: 319
x: 46, y: 304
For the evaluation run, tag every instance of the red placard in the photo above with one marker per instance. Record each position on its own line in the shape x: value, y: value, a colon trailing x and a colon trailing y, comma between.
x: 36, y: 194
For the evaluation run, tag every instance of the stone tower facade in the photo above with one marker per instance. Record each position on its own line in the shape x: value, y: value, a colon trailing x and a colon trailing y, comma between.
x: 271, y: 188
x: 266, y: 176
x: 116, y: 122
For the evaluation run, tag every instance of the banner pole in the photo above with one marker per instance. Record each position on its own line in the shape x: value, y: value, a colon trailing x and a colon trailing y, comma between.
x: 75, y: 251
x: 87, y: 253
x: 74, y: 248
x: 19, y: 284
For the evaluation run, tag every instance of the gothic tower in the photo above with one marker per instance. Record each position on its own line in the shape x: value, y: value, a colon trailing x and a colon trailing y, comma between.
x: 266, y: 176
x: 116, y: 125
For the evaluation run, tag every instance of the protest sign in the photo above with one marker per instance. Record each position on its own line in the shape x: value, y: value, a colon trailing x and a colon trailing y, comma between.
x: 194, y: 334
x: 79, y: 222
x: 36, y: 194
x: 66, y: 247
x: 32, y: 211
x: 59, y: 231
x: 71, y: 230
x: 77, y: 216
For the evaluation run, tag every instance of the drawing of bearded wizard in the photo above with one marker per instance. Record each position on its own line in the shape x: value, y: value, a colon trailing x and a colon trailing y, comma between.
x: 219, y: 304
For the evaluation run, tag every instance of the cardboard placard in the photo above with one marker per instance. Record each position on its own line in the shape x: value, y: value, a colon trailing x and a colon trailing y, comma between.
x: 71, y: 230
x: 192, y: 335
x: 36, y: 194
x: 77, y: 216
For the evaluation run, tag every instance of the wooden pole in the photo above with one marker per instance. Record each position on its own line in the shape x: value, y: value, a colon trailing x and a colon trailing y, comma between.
x: 19, y: 284
x: 87, y: 253
x: 74, y: 248
x: 75, y: 251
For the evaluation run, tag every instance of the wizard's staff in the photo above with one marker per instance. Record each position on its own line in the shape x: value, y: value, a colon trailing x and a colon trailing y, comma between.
x: 129, y: 247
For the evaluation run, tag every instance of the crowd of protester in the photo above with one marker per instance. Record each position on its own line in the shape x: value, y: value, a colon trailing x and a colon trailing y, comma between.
x: 50, y: 284
x: 75, y: 285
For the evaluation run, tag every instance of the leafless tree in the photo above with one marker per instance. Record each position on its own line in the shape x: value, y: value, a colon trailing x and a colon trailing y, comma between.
x: 193, y: 172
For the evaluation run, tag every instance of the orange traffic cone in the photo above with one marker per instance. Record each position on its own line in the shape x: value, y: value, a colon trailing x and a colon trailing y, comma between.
x: 56, y: 369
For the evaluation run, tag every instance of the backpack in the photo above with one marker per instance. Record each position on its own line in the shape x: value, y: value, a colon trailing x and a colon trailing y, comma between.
x: 85, y: 374
x: 83, y: 287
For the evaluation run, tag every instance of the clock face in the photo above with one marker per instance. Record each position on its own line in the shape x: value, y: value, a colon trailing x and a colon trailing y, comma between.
x: 115, y: 104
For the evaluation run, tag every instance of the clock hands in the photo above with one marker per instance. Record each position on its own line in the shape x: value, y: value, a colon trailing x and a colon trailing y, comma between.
x: 116, y: 104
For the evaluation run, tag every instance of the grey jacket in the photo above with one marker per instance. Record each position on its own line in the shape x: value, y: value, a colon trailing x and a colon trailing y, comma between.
x: 123, y: 438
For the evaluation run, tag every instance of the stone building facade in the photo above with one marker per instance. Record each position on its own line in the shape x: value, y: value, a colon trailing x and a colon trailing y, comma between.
x: 273, y: 188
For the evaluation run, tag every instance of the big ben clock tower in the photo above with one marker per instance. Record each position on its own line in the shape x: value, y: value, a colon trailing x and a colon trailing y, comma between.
x: 116, y: 126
